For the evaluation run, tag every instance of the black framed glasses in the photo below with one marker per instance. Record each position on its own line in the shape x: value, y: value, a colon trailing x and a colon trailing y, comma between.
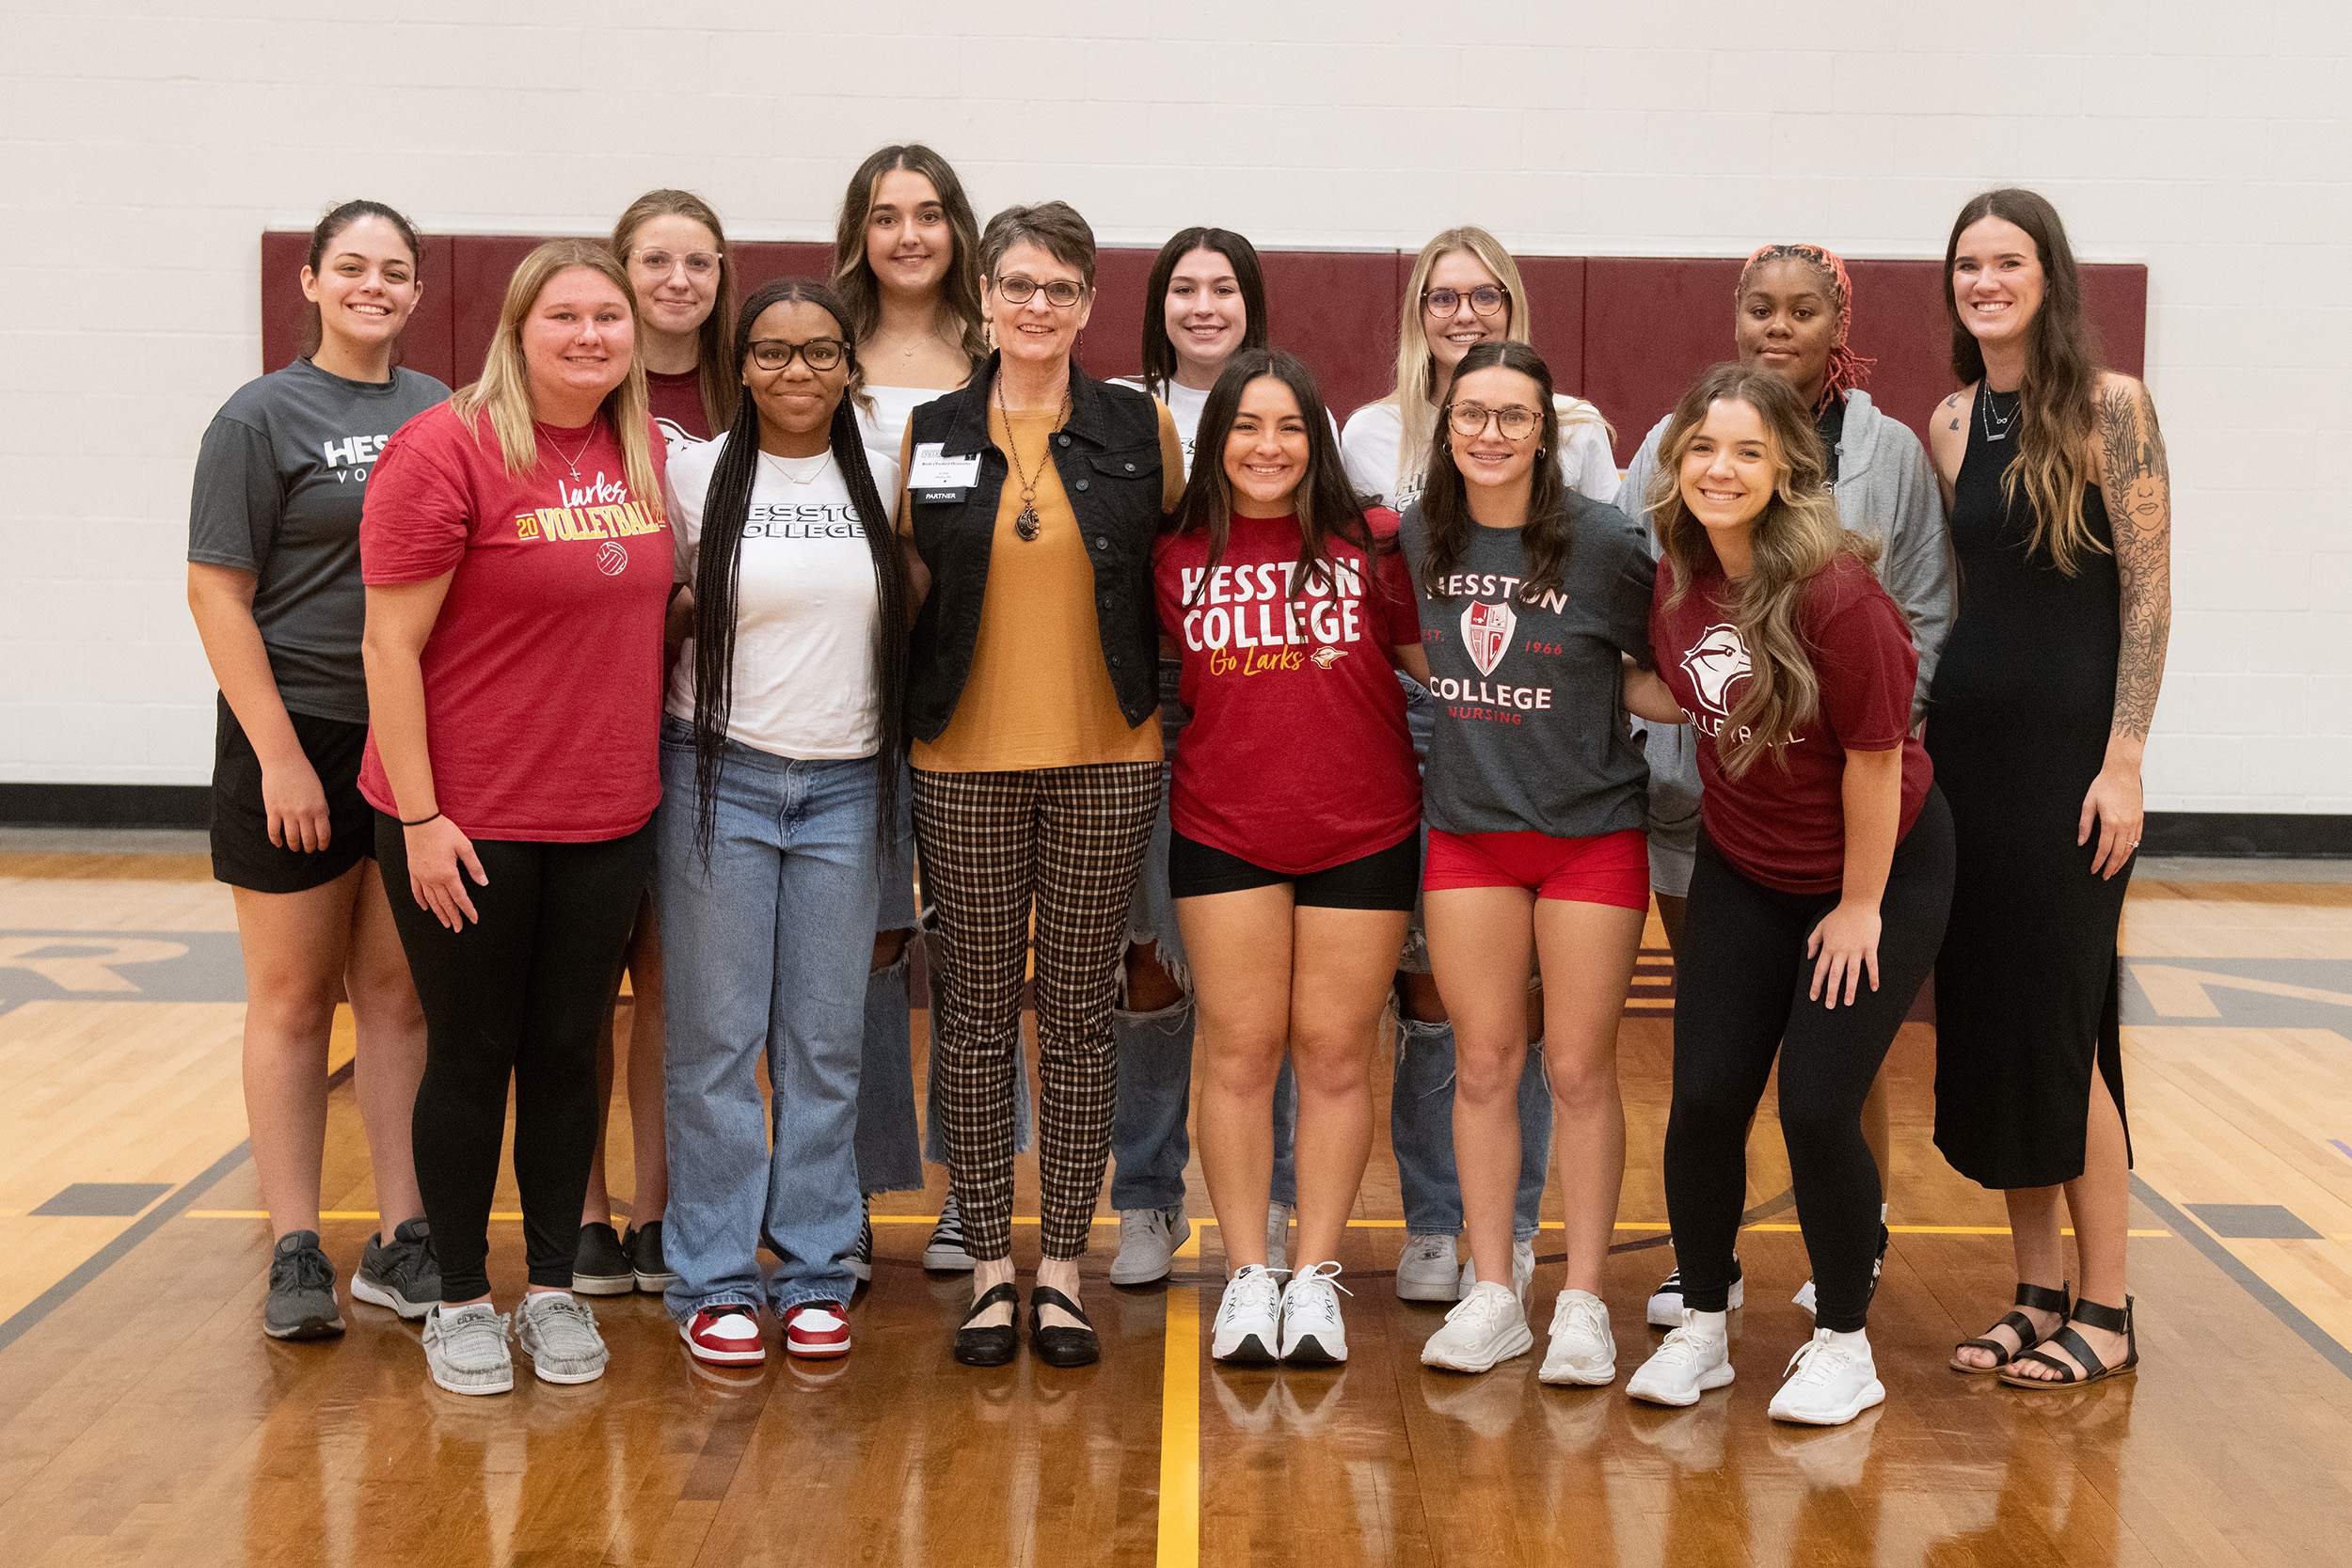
x: 818, y: 354
x: 1471, y: 418
x: 1487, y: 299
x: 1060, y: 293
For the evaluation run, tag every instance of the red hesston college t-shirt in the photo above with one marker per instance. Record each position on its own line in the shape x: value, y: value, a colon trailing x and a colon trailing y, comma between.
x: 543, y: 674
x: 1298, y: 758
x: 1786, y: 828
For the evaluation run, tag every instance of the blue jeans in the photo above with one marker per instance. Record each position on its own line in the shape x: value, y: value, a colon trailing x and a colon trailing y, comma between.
x: 1421, y: 1099
x: 1149, y: 1146
x: 767, y: 944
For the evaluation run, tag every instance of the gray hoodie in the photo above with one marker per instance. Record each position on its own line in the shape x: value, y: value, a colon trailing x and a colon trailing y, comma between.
x: 1884, y: 488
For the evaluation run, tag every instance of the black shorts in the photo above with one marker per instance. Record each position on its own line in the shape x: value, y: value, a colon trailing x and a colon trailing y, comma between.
x: 243, y: 855
x: 1384, y: 881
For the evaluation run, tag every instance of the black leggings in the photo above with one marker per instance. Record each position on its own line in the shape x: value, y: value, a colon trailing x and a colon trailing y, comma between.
x: 519, y: 994
x: 1743, y: 996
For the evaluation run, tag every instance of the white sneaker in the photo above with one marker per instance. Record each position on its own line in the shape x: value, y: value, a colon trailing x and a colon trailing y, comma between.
x: 1311, y: 1330
x: 465, y: 1348
x: 1249, y: 1316
x: 1488, y: 1325
x: 1426, y: 1271
x: 1148, y: 1240
x: 1665, y: 1306
x: 1829, y: 1383
x: 1582, y: 1350
x: 1522, y: 1272
x: 1686, y: 1365
x: 558, y: 1333
x: 1277, y: 1235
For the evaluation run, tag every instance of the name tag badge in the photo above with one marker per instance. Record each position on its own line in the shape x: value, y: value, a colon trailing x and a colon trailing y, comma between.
x: 932, y: 471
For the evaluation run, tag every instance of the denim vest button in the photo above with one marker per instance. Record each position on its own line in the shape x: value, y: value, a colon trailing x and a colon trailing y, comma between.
x: 1065, y: 440
x: 1100, y: 542
x: 1131, y: 467
x: 1082, y: 485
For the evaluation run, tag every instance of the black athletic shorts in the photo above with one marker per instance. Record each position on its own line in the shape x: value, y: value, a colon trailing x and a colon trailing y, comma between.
x: 1384, y: 881
x: 243, y: 855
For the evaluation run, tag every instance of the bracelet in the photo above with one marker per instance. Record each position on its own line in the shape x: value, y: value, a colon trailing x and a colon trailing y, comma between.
x: 417, y: 823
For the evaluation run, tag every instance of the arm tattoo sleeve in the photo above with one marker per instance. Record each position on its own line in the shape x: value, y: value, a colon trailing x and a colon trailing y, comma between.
x: 2138, y: 485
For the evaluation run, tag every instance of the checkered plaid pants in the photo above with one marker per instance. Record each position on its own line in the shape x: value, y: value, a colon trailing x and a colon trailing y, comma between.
x: 1073, y: 840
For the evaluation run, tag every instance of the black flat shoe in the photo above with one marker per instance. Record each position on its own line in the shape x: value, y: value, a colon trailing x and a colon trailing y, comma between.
x: 1053, y: 1344
x: 989, y: 1347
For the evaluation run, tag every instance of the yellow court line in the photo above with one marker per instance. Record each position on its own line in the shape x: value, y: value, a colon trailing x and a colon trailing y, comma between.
x: 1179, y: 1432
x: 1192, y: 1247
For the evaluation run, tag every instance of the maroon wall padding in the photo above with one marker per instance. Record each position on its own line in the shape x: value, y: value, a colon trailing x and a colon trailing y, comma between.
x: 1627, y: 332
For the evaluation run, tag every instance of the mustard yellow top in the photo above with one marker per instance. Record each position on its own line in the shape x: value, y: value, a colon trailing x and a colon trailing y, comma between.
x: 1039, y: 695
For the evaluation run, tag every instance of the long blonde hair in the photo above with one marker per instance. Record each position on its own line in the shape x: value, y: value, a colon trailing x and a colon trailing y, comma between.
x: 504, y: 390
x: 720, y: 383
x: 1416, y: 371
x: 1794, y: 537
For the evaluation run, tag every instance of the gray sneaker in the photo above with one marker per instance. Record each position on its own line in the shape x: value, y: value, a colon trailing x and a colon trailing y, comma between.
x: 1522, y: 1271
x: 401, y: 1274
x: 465, y: 1349
x: 1426, y: 1271
x: 1148, y: 1240
x: 301, y: 1303
x: 558, y: 1333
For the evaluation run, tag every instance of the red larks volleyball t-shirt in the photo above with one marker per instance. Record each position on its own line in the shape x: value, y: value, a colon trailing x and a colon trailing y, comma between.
x: 1298, y: 758
x: 1786, y: 829
x: 543, y: 674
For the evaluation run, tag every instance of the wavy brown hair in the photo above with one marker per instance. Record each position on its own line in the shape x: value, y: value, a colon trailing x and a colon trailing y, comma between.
x: 853, y: 277
x: 717, y: 383
x: 1445, y: 496
x: 2053, y: 461
x: 1793, y: 538
x: 503, y: 394
x: 1324, y: 506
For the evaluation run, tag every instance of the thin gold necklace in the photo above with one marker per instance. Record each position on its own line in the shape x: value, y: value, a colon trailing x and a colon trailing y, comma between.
x: 1026, y: 525
x: 818, y: 473
x: 572, y: 462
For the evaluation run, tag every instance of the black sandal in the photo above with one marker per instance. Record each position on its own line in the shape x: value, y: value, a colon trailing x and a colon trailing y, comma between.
x: 1057, y: 1345
x: 2114, y: 1321
x: 2042, y: 1299
x: 989, y: 1347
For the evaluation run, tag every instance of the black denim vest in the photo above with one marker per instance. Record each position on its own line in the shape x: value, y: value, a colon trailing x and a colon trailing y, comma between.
x: 1108, y: 457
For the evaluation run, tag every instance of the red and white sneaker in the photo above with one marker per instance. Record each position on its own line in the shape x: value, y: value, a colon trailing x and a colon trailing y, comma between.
x: 726, y: 1335
x: 816, y: 1328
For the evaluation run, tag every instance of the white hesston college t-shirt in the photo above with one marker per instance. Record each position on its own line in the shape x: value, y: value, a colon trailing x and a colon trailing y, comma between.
x: 805, y: 609
x: 1375, y: 434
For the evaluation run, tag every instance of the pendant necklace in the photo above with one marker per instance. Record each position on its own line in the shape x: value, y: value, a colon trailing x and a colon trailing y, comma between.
x: 814, y: 474
x: 1026, y: 525
x: 572, y: 462
x: 1984, y: 408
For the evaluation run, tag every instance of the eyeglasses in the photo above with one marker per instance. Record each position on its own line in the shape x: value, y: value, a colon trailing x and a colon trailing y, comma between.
x: 1060, y: 293
x: 1487, y: 299
x: 818, y: 354
x: 1471, y: 418
x: 699, y: 263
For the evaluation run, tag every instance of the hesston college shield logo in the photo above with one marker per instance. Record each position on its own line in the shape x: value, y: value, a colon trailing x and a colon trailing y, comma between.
x: 1487, y: 632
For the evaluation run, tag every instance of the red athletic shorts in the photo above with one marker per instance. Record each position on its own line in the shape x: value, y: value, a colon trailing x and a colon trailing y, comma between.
x: 1612, y: 868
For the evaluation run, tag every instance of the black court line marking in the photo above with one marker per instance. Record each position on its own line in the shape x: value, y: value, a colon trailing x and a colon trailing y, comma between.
x: 29, y: 1316
x: 2336, y: 1354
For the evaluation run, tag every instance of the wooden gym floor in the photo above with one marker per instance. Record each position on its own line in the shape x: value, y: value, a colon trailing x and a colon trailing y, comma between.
x: 144, y: 1417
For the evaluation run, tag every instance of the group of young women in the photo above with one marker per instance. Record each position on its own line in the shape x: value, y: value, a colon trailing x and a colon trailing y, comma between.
x: 692, y: 638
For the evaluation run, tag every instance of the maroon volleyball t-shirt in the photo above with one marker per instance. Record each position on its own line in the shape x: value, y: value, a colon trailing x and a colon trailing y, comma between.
x: 1298, y: 758
x: 1786, y: 827
x: 543, y: 671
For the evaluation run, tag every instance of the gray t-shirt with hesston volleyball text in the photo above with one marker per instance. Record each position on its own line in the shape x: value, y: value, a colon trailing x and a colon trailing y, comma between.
x: 279, y: 483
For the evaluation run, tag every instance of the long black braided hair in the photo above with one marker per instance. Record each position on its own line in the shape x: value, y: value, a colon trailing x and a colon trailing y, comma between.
x: 718, y: 569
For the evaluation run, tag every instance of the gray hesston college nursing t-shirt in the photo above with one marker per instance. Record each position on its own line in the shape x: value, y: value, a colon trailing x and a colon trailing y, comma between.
x: 279, y: 483
x: 1530, y: 731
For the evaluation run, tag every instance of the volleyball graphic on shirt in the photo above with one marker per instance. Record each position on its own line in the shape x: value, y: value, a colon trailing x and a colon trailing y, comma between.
x: 1715, y: 663
x: 613, y: 558
x: 1487, y: 632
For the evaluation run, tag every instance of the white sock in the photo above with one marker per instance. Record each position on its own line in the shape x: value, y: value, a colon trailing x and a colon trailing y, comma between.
x: 1858, y: 1341
x: 1707, y: 1324
x: 474, y: 1309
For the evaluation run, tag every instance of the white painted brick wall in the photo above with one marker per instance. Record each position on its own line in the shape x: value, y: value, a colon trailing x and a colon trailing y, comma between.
x: 143, y: 148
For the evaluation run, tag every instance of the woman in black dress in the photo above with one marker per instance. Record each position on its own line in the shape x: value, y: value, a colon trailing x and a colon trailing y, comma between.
x: 2060, y: 504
